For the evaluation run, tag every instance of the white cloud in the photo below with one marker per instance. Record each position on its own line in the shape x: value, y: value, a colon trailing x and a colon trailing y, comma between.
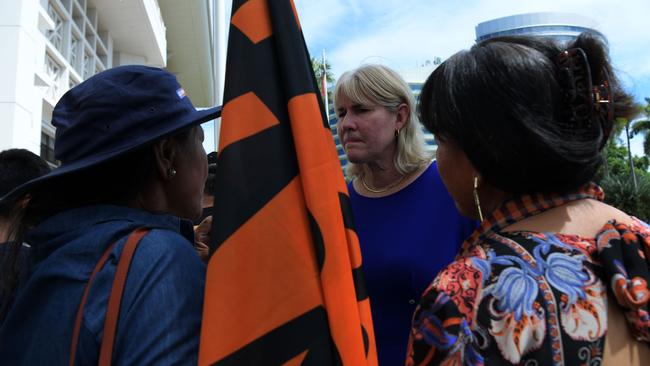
x: 403, y: 33
x: 319, y: 18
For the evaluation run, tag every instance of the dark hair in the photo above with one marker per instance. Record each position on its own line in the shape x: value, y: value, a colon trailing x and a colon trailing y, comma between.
x: 504, y: 103
x: 18, y: 166
x: 117, y: 181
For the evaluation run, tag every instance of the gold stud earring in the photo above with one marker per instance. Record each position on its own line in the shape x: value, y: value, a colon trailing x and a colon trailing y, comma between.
x: 477, y: 202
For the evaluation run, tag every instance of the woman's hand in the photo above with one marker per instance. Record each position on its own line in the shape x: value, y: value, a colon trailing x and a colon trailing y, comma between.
x: 202, y: 238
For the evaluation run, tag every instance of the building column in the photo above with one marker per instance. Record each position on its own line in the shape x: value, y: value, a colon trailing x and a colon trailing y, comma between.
x: 22, y: 88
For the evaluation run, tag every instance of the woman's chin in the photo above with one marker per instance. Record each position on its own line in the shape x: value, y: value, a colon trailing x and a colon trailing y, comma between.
x: 355, y: 157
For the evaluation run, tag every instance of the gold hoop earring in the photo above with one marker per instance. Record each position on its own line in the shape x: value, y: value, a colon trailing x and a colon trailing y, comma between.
x: 477, y: 202
x: 397, y: 132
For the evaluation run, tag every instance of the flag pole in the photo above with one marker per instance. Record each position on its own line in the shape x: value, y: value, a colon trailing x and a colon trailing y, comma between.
x: 221, y: 23
x: 324, y: 84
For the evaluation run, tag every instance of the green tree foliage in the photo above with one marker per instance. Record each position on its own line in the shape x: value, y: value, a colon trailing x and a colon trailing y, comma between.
x: 317, y: 66
x: 643, y: 126
x: 617, y: 182
x: 621, y: 193
x: 617, y: 161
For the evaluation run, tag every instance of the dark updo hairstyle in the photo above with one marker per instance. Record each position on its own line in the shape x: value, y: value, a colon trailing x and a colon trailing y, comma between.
x: 526, y: 121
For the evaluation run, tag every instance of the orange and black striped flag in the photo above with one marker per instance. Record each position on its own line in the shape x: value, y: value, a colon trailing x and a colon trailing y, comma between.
x: 284, y: 283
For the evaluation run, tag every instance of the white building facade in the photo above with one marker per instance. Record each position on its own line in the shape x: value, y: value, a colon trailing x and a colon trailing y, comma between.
x: 51, y: 45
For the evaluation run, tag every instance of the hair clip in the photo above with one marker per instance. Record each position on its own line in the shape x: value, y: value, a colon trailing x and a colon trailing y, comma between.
x: 601, y: 94
x: 575, y: 80
x: 603, y: 105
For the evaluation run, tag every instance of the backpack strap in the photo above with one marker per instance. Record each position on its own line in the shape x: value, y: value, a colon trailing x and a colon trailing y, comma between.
x: 114, y: 300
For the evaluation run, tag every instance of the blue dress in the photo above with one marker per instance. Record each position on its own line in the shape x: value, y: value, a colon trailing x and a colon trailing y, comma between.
x: 405, y: 238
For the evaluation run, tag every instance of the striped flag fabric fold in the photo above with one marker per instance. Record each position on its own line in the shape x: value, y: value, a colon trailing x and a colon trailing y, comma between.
x: 284, y: 280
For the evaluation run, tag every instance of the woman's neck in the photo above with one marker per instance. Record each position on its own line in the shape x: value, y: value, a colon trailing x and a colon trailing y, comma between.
x: 380, y: 175
x: 394, y: 182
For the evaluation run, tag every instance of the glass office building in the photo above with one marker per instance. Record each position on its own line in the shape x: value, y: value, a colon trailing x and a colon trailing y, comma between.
x: 560, y: 26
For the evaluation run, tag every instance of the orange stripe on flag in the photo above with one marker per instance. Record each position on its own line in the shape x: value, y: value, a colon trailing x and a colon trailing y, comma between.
x: 251, y: 116
x: 313, y: 148
x: 296, y: 361
x: 241, y: 304
x: 319, y: 172
x: 253, y: 20
x: 354, y: 249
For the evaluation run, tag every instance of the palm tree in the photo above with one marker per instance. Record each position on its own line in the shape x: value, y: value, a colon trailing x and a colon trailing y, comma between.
x: 643, y: 126
x: 317, y: 66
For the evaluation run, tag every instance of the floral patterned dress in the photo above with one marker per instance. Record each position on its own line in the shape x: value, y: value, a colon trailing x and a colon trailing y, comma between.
x: 530, y: 298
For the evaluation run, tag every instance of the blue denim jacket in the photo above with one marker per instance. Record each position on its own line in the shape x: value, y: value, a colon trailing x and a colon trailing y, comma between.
x: 160, y: 314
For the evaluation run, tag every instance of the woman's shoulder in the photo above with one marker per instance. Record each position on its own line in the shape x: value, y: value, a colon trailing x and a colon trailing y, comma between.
x: 166, y: 259
x: 163, y: 243
x: 461, y: 281
x: 442, y: 322
x: 584, y: 218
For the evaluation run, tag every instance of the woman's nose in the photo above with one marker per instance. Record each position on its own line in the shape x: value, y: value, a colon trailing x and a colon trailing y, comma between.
x: 345, y: 123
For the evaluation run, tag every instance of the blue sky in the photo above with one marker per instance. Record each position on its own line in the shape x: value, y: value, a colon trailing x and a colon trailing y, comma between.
x: 404, y: 33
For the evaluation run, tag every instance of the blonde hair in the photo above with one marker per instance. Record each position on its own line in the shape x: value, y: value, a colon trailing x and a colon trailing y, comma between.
x: 380, y: 85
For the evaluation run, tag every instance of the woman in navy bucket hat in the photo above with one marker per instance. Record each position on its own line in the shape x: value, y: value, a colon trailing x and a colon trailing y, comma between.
x: 131, y: 176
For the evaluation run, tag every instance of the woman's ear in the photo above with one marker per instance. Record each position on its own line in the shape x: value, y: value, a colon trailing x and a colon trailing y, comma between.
x: 164, y: 152
x: 402, y: 116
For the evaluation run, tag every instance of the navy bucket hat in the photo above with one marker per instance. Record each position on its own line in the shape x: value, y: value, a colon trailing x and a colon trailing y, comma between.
x: 115, y: 112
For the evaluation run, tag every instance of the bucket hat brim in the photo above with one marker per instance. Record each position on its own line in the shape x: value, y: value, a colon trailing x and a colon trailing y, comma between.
x: 198, y: 117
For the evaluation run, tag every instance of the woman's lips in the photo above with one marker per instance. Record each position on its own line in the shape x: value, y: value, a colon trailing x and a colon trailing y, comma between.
x: 351, y: 141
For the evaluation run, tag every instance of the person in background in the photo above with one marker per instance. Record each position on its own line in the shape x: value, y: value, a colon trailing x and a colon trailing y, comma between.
x: 203, y: 225
x: 552, y: 272
x: 132, y: 163
x: 394, y: 185
x: 17, y: 166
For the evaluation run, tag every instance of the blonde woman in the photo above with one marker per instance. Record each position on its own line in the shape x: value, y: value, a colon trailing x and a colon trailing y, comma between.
x: 394, y: 185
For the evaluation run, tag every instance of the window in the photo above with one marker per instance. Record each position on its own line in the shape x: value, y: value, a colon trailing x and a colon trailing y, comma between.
x: 55, y: 36
x: 542, y: 30
x: 74, y: 45
x: 54, y: 71
x: 89, y: 66
x: 47, y: 148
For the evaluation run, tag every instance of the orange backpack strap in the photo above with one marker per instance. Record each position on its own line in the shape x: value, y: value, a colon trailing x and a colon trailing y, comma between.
x: 114, y: 300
